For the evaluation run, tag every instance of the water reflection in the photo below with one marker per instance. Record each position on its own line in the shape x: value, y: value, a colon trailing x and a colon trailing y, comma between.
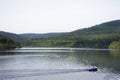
x: 102, y: 59
x: 35, y: 59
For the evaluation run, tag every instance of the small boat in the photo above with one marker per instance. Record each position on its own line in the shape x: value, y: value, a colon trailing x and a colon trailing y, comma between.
x: 92, y: 69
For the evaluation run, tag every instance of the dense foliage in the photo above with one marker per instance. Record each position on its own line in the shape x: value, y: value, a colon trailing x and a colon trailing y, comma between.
x: 13, y: 36
x: 99, y: 36
x: 7, y: 43
x: 115, y: 45
x: 94, y: 41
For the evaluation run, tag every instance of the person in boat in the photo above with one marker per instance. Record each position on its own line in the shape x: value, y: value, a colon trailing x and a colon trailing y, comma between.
x: 93, y: 69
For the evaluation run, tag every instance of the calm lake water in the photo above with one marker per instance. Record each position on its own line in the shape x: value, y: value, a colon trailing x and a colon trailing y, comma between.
x: 59, y: 64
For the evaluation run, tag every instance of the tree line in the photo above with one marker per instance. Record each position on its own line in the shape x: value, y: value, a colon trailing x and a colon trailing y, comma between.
x: 91, y: 41
x: 8, y: 43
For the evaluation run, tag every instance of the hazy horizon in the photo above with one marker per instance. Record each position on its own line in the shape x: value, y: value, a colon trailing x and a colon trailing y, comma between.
x: 50, y: 16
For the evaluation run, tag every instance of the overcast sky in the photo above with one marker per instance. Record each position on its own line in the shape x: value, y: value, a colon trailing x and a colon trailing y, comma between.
x: 44, y: 16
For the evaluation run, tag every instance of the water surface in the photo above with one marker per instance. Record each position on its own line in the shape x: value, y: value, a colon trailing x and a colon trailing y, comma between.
x: 59, y: 64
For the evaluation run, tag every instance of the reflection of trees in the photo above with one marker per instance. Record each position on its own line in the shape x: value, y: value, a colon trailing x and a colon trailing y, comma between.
x: 103, y: 59
x: 115, y: 54
x: 7, y: 53
x: 100, y: 58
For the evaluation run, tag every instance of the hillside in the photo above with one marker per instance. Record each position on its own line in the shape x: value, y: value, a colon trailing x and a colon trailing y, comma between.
x: 99, y: 36
x: 13, y: 36
x: 7, y: 43
x: 111, y: 27
x: 47, y: 35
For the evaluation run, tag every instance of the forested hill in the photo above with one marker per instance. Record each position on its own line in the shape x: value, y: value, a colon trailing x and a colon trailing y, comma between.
x: 35, y: 35
x: 13, y: 36
x: 104, y: 28
x: 7, y: 43
x: 100, y: 36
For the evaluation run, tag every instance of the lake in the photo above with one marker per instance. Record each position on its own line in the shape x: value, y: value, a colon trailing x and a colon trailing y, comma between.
x: 59, y: 64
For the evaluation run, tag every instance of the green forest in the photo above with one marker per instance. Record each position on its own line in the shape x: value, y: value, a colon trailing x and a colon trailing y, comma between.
x: 115, y: 45
x: 7, y: 43
x: 83, y: 41
x: 99, y: 36
x: 105, y: 35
